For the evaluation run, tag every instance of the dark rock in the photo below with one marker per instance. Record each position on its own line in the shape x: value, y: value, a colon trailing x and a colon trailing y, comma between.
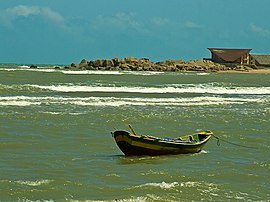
x: 96, y: 63
x: 83, y: 64
x: 84, y: 61
x: 124, y: 67
x: 90, y: 68
x: 108, y: 63
x: 144, y: 64
x: 74, y: 65
x: 33, y: 66
x: 115, y: 62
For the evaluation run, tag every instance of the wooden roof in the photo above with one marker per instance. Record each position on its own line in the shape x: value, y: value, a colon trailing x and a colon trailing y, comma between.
x: 262, y: 59
x: 229, y: 55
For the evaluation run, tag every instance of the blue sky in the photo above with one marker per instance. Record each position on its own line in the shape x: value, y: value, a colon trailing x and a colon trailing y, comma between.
x: 66, y: 31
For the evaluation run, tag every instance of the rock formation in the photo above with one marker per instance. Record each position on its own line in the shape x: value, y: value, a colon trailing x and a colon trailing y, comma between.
x: 144, y: 64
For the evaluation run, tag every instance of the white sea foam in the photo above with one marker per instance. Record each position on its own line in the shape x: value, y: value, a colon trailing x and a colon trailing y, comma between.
x: 53, y: 113
x: 204, y: 152
x: 34, y: 183
x: 190, y: 184
x: 28, y: 200
x: 24, y: 66
x: 8, y: 69
x: 162, y: 185
x: 116, y: 101
x: 203, y: 73
x: 20, y: 101
x: 131, y: 199
x: 82, y: 72
x: 143, y: 73
x: 185, y: 88
x: 93, y: 72
x: 151, y: 172
x: 61, y: 113
x: 45, y: 70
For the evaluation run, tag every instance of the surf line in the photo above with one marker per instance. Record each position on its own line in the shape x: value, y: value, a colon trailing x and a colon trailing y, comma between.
x: 239, y: 145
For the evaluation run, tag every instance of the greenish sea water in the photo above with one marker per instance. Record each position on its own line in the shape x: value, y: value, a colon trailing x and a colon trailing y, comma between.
x: 56, y: 144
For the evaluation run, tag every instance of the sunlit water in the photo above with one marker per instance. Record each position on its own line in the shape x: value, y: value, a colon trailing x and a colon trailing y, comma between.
x: 56, y: 144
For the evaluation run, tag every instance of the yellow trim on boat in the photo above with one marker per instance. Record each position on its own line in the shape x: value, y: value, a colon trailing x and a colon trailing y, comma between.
x: 152, y: 146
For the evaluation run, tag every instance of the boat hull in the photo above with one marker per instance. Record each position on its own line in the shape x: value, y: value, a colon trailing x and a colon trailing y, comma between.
x: 133, y: 145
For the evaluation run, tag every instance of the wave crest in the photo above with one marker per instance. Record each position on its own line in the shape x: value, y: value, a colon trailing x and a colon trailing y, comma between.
x: 162, y: 185
x: 176, y: 89
x: 116, y: 101
x: 34, y: 183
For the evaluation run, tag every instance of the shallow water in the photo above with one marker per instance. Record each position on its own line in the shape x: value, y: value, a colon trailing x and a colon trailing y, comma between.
x: 56, y: 143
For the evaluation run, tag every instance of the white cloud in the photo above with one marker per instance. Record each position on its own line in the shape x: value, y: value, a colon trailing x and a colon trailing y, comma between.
x: 192, y: 25
x: 259, y: 30
x: 22, y: 10
x: 52, y: 15
x: 120, y: 21
x: 8, y: 16
x: 160, y: 21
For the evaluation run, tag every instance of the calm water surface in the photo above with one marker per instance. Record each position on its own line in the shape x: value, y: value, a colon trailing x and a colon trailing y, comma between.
x: 56, y: 144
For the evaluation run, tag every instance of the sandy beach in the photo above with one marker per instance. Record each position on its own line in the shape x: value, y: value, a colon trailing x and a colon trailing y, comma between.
x: 253, y: 71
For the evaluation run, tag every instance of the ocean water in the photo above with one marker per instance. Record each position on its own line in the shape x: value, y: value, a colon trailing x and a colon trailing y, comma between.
x: 56, y: 144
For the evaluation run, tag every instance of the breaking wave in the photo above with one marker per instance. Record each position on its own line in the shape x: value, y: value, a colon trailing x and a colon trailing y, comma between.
x: 27, y: 68
x: 162, y: 185
x: 77, y: 72
x: 34, y: 183
x: 184, y: 88
x: 116, y: 101
x: 91, y: 72
x: 163, y: 89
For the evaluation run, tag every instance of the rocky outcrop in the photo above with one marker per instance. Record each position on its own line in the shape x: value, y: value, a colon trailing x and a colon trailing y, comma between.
x: 144, y: 64
x: 33, y: 66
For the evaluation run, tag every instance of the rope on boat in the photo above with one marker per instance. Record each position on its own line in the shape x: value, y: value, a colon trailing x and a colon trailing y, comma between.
x: 239, y: 145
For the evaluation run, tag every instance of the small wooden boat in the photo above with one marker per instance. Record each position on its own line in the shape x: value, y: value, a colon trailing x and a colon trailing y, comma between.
x: 134, y: 145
